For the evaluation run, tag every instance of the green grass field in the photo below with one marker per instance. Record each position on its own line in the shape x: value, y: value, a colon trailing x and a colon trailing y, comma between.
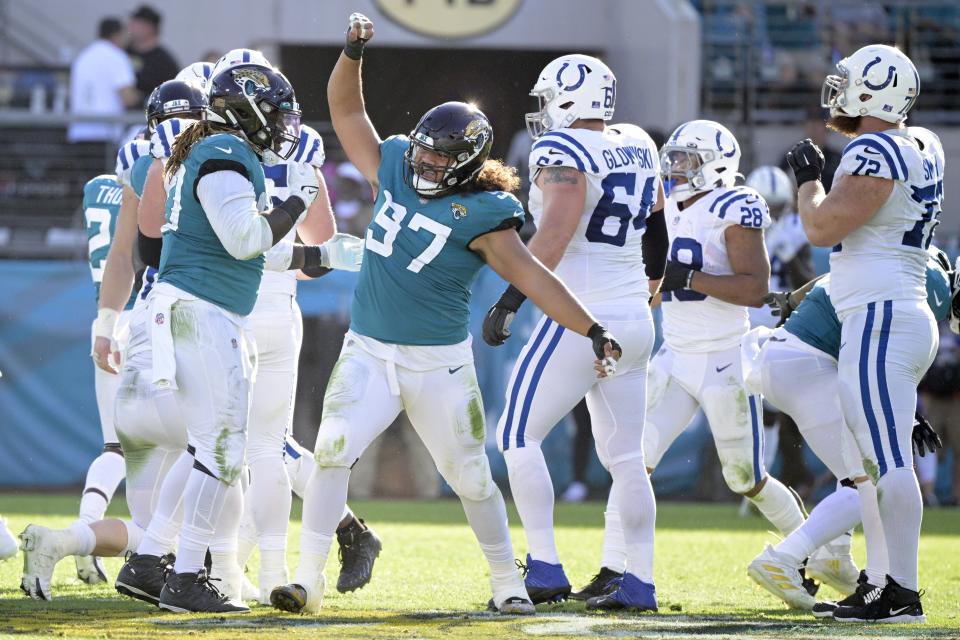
x: 430, y: 582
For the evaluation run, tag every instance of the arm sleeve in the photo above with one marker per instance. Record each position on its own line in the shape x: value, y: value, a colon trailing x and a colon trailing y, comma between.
x: 230, y: 204
x: 149, y: 249
x: 654, y: 245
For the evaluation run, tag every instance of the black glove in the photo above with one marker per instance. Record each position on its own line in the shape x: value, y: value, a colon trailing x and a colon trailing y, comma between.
x: 924, y: 435
x: 779, y: 303
x: 313, y: 262
x: 806, y: 160
x: 496, y: 325
x: 600, y: 337
x: 353, y: 49
x: 675, y: 276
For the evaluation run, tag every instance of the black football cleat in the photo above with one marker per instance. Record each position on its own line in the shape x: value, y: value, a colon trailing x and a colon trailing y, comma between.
x: 195, y: 593
x: 359, y: 548
x: 891, y: 604
x: 855, y: 599
x: 143, y: 576
x: 604, y: 583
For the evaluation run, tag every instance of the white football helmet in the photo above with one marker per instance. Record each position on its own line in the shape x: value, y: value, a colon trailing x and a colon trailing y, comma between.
x: 876, y: 80
x: 198, y: 73
x: 774, y: 185
x: 236, y: 57
x: 572, y: 87
x: 703, y: 152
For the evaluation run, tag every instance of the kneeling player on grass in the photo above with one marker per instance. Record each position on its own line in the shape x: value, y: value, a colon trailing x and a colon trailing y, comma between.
x: 443, y: 211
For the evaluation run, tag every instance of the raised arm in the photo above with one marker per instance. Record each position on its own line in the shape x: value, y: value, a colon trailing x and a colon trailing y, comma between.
x: 357, y: 134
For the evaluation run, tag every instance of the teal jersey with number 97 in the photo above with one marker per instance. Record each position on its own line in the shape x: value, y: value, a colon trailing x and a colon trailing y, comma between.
x: 193, y: 258
x: 102, y: 197
x: 414, y: 286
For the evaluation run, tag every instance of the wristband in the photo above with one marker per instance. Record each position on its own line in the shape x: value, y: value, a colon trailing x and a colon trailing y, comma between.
x: 511, y: 299
x: 105, y: 323
x: 293, y: 206
x: 354, y: 50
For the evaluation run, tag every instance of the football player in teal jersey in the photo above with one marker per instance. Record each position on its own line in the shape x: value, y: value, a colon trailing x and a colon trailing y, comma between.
x: 443, y: 210
x: 796, y: 363
x: 210, y: 270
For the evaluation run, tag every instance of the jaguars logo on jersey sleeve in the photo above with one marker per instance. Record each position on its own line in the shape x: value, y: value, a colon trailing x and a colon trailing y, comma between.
x: 127, y: 156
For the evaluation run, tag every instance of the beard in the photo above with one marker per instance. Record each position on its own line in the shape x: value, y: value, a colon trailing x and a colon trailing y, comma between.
x: 844, y: 125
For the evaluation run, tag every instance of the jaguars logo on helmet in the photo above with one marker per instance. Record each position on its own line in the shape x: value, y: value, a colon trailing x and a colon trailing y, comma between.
x: 251, y: 80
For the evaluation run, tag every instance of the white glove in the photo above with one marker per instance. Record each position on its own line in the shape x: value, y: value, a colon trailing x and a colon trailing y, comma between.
x: 303, y: 183
x: 343, y: 251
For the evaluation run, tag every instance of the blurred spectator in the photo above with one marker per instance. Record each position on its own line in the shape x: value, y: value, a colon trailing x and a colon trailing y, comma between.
x: 815, y: 128
x: 352, y: 201
x: 152, y: 62
x: 940, y: 390
x: 102, y: 83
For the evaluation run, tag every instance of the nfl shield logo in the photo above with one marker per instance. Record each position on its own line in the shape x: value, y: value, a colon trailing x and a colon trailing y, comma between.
x: 233, y: 342
x: 159, y: 319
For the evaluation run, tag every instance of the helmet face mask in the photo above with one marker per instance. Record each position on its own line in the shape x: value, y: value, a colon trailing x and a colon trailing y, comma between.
x: 876, y: 80
x: 447, y: 149
x: 260, y: 104
x: 699, y: 156
x: 572, y: 87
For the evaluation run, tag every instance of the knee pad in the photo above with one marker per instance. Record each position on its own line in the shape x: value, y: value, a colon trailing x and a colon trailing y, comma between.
x: 658, y: 379
x: 473, y: 479
x: 334, y: 447
x: 739, y: 475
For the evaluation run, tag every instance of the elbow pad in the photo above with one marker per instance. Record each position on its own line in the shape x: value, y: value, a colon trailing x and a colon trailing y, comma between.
x: 149, y: 249
x: 655, y: 244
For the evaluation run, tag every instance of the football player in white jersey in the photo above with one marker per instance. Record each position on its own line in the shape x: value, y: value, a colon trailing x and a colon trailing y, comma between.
x: 879, y: 217
x: 717, y: 268
x: 197, y: 72
x: 595, y: 188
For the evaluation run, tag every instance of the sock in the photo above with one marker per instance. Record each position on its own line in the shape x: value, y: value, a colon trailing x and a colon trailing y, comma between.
x: 273, y: 561
x: 270, y: 501
x: 488, y: 519
x: 223, y: 544
x: 325, y: 495
x: 247, y: 535
x: 836, y: 514
x: 81, y: 540
x: 877, y: 563
x: 637, y: 510
x: 203, y: 500
x: 614, y: 547
x: 778, y: 506
x: 901, y: 511
x: 161, y: 533
x: 842, y: 543
x: 134, y: 537
x: 103, y: 476
x: 347, y: 515
x: 533, y: 495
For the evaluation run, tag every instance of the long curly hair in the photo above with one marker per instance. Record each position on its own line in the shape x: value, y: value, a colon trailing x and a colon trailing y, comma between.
x: 189, y: 137
x: 495, y: 176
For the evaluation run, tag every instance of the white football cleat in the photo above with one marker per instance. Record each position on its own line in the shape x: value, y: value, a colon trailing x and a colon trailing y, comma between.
x: 90, y: 569
x: 835, y: 568
x: 8, y: 544
x: 781, y: 577
x: 42, y: 549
